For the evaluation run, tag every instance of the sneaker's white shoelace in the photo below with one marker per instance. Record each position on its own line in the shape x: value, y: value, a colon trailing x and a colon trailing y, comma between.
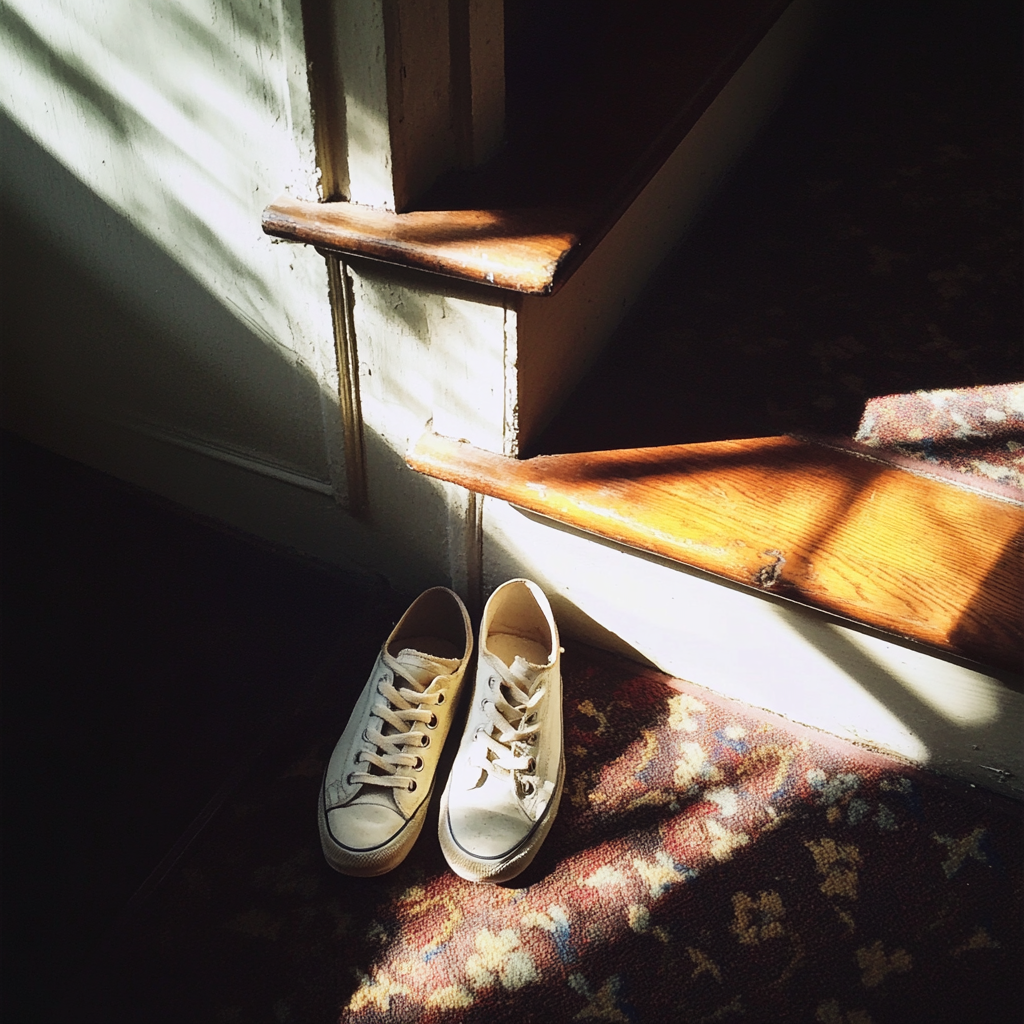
x: 505, y: 745
x: 387, y: 751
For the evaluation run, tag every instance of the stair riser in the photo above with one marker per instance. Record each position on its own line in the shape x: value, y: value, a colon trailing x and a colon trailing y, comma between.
x: 814, y: 669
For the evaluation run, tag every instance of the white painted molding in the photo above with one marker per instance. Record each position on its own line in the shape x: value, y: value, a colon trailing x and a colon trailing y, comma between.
x: 393, y: 77
x: 359, y: 48
x: 234, y: 456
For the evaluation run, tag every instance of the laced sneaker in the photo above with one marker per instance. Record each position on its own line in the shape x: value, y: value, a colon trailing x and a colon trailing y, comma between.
x: 378, y: 783
x: 504, y: 788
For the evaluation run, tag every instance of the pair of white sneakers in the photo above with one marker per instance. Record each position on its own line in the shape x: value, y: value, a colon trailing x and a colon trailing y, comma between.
x: 505, y: 785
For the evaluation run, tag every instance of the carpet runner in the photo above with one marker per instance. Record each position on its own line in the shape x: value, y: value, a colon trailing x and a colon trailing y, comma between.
x: 973, y: 436
x: 709, y: 863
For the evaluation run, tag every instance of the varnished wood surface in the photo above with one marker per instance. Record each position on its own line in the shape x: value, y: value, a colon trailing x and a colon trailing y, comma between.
x: 844, y: 534
x: 578, y: 153
x: 517, y: 251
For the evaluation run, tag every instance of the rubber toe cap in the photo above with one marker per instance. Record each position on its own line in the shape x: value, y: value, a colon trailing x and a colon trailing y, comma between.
x: 487, y: 833
x: 364, y: 826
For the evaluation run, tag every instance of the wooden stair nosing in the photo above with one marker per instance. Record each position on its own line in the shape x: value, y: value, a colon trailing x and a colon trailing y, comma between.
x: 525, y: 221
x: 518, y: 251
x: 872, y: 543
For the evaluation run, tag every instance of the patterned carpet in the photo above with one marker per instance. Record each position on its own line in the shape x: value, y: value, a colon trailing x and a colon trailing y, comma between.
x: 974, y: 436
x: 709, y: 863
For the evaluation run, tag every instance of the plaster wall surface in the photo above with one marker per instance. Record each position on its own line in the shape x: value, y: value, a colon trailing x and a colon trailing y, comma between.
x: 156, y: 333
x: 140, y: 145
x: 432, y: 355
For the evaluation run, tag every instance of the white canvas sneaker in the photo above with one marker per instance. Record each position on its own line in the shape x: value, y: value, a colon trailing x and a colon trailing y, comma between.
x: 378, y: 783
x: 503, y: 792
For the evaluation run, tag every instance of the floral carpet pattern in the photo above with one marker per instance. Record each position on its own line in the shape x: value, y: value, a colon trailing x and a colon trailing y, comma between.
x: 709, y: 863
x: 978, y: 432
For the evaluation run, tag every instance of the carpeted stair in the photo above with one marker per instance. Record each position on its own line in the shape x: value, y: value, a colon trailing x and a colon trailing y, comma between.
x: 972, y: 436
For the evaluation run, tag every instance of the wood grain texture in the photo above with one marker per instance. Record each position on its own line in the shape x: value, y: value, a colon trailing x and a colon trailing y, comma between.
x: 517, y: 251
x: 844, y: 534
x: 580, y: 148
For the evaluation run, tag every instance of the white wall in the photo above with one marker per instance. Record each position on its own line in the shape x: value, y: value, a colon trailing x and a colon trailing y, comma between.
x: 156, y: 333
x: 140, y: 145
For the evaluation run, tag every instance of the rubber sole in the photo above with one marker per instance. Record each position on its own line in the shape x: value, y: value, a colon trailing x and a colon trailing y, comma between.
x: 381, y: 859
x: 516, y: 861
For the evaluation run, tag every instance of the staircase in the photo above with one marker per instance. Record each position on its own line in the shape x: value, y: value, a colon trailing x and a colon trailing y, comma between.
x: 806, y: 578
x: 832, y: 530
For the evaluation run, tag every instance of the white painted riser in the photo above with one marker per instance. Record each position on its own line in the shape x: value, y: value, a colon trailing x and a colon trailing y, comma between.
x: 811, y: 668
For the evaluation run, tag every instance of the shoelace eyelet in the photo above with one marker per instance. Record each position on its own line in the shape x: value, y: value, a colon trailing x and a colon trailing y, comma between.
x: 418, y: 766
x: 412, y: 786
x: 440, y: 698
x: 432, y: 724
x: 531, y: 765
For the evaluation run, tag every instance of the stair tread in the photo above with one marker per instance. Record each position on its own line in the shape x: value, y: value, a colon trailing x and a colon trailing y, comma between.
x: 573, y: 162
x: 831, y: 529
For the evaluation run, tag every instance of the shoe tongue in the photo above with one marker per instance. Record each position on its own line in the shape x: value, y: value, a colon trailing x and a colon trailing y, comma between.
x: 422, y: 669
x: 525, y: 673
x: 382, y: 796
